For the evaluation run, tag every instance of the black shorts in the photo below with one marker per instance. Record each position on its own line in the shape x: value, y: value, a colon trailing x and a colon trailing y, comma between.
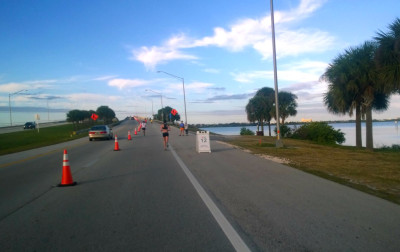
x: 143, y: 128
x: 165, y: 134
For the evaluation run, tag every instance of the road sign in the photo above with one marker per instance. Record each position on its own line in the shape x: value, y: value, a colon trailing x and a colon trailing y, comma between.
x: 203, y: 141
x: 94, y: 116
x: 37, y: 119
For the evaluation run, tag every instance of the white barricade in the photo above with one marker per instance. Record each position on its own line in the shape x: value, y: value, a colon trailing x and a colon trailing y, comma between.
x: 203, y: 141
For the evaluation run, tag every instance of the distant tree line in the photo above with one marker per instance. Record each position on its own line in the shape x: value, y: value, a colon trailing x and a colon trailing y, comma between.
x: 104, y: 113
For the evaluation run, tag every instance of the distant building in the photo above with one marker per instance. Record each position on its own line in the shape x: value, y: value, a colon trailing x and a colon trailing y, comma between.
x: 306, y: 120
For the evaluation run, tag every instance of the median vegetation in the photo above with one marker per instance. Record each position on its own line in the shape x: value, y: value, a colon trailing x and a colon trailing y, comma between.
x: 30, y: 139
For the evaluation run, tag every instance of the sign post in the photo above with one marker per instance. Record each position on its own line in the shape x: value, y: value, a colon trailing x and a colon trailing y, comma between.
x: 37, y: 119
x: 203, y: 141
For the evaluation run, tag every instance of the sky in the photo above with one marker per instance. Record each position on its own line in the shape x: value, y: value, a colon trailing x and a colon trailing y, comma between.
x: 124, y: 54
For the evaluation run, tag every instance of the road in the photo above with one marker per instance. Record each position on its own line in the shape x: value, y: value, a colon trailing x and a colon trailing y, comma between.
x: 143, y: 198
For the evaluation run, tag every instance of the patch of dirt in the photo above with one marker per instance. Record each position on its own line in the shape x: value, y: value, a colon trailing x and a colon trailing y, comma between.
x: 272, y: 158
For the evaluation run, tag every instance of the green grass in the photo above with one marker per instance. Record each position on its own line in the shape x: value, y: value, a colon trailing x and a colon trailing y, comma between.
x: 30, y: 139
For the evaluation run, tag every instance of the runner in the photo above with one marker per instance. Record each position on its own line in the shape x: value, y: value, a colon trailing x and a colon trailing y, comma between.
x: 144, y: 127
x: 164, y: 130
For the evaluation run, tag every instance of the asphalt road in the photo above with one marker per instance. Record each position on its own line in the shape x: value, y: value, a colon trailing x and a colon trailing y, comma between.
x: 143, y: 198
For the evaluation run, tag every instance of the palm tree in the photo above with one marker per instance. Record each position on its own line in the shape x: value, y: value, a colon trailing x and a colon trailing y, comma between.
x: 338, y: 102
x: 251, y: 111
x: 387, y: 57
x: 341, y: 98
x: 287, y: 106
x: 354, y: 86
x: 257, y: 110
x: 366, y: 81
x: 269, y: 96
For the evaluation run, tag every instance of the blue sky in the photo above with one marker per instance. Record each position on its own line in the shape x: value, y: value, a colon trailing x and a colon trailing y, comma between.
x: 84, y: 54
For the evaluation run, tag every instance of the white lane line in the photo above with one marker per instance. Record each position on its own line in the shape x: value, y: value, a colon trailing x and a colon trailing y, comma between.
x: 229, y: 231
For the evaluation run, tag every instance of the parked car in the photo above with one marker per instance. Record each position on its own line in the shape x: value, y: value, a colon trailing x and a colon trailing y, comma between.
x: 100, y: 132
x: 30, y: 125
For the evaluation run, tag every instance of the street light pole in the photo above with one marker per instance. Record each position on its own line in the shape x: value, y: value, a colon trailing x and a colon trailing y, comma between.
x: 278, y: 143
x: 183, y: 86
x: 9, y: 102
x: 162, y: 106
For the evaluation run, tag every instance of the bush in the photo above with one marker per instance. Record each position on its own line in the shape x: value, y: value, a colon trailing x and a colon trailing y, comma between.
x: 319, y: 132
x: 286, y: 131
x: 245, y: 131
x: 394, y: 148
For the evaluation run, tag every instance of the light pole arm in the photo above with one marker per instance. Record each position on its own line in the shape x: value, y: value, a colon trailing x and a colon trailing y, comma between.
x: 162, y: 106
x: 171, y: 75
x: 183, y: 86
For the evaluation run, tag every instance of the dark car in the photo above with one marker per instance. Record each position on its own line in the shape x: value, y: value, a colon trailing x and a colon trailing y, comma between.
x: 100, y: 132
x: 30, y: 125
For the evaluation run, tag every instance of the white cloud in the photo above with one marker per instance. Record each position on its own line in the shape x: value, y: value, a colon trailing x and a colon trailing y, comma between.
x: 107, y: 77
x: 90, y: 97
x: 194, y: 87
x: 293, y: 43
x: 243, y: 33
x: 255, y: 33
x: 13, y: 87
x: 211, y: 70
x: 250, y: 77
x: 153, y: 56
x: 303, y: 71
x: 198, y: 87
x: 126, y: 83
x: 26, y: 85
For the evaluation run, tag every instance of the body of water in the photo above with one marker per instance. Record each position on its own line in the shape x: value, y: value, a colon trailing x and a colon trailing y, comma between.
x: 385, y: 133
x: 20, y: 118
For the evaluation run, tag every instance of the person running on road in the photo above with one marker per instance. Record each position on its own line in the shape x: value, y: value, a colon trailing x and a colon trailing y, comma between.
x: 143, y: 124
x: 182, y: 128
x: 164, y: 130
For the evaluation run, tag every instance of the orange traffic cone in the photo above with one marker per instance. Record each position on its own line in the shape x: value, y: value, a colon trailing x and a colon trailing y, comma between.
x: 116, y: 148
x: 129, y: 135
x: 66, y: 179
x: 135, y: 131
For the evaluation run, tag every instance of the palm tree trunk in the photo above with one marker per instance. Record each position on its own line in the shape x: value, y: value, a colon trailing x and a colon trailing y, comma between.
x: 269, y: 127
x: 262, y: 126
x: 358, y: 127
x: 368, y: 122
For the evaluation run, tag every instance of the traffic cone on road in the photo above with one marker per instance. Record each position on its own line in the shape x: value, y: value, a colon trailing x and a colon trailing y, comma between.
x: 135, y: 131
x: 116, y: 148
x: 66, y: 179
x: 129, y: 135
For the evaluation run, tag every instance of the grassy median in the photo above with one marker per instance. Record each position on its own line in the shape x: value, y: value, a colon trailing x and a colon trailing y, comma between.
x: 30, y: 139
x: 376, y: 172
